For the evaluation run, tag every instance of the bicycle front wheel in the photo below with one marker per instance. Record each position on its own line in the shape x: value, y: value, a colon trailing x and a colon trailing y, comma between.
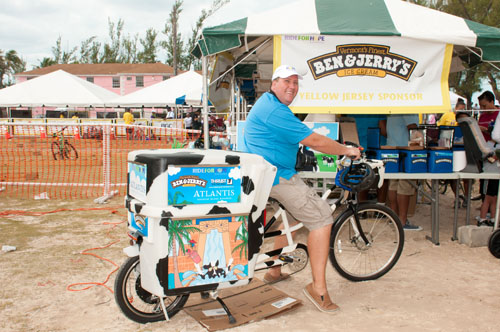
x: 56, y: 151
x: 137, y: 303
x: 352, y: 257
x: 70, y: 151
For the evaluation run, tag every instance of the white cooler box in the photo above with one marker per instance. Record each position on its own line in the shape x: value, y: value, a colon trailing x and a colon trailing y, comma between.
x: 199, y: 214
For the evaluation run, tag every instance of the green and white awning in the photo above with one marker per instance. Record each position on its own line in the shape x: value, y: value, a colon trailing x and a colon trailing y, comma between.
x: 355, y: 18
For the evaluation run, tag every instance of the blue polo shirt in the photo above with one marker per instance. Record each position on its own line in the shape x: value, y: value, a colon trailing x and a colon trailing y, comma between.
x: 397, y: 128
x: 274, y: 132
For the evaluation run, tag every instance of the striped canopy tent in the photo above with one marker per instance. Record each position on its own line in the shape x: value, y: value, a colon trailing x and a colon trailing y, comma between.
x: 396, y: 28
x: 355, y: 17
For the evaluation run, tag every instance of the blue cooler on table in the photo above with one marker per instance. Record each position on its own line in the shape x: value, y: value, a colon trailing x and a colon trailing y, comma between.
x: 199, y: 214
x: 373, y: 138
x: 388, y: 156
x: 413, y: 161
x: 440, y: 161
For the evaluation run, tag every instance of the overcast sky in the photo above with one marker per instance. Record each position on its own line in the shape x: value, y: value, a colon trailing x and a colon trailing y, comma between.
x: 32, y: 27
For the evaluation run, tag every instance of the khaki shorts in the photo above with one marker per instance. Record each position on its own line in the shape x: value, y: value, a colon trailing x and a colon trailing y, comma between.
x: 402, y: 187
x: 302, y: 203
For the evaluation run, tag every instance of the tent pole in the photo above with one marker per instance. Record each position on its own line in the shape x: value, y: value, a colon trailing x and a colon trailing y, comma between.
x: 231, y: 101
x: 238, y: 103
x: 204, y: 65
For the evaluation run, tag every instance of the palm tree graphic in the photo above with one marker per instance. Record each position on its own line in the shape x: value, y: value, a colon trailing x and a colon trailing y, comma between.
x: 242, y: 234
x: 178, y: 232
x: 176, y: 199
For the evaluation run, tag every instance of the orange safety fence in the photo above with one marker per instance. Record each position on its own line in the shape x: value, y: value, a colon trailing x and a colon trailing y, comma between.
x: 70, y: 161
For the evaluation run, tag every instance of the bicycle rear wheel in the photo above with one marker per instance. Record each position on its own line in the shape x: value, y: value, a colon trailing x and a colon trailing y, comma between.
x: 70, y: 151
x: 137, y: 303
x: 494, y: 243
x: 442, y: 186
x: 354, y: 259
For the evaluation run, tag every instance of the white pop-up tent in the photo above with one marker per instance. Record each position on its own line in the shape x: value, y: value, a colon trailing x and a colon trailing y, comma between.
x: 56, y: 89
x: 378, y: 56
x: 165, y: 93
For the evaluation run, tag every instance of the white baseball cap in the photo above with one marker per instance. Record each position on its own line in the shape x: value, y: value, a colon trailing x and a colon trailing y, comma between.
x: 285, y: 71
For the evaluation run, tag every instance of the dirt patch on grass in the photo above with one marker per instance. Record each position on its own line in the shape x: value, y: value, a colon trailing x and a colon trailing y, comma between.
x: 450, y: 287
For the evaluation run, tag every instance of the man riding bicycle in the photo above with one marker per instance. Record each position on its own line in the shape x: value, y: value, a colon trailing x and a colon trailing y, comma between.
x: 274, y: 132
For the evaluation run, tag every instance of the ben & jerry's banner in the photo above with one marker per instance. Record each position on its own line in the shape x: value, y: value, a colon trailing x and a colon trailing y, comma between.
x: 351, y: 74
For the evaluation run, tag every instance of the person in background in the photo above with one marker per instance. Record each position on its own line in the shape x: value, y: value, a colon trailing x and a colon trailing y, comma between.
x: 461, y: 113
x: 196, y: 123
x: 274, y: 132
x: 188, y: 121
x: 488, y: 188
x: 128, y: 118
x: 488, y: 114
x: 430, y: 119
x: 170, y: 113
x: 397, y: 127
x: 449, y: 119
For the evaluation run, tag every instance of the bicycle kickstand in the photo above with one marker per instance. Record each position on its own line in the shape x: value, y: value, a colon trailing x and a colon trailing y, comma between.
x: 215, y: 295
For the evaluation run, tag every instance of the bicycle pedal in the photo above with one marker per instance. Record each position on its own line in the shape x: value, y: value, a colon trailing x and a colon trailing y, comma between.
x: 285, y: 258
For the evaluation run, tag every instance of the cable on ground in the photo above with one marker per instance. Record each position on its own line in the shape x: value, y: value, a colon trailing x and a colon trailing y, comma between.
x: 87, y: 252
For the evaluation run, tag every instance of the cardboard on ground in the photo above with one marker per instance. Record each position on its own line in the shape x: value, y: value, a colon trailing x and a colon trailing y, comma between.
x: 250, y: 303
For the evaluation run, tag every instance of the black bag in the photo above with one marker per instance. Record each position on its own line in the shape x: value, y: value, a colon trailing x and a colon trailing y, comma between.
x: 306, y: 160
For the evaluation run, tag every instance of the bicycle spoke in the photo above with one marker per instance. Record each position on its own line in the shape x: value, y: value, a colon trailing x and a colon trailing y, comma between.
x: 381, y: 231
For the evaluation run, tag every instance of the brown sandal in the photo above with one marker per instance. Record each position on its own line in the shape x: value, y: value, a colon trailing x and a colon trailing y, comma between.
x: 322, y: 302
x: 270, y: 279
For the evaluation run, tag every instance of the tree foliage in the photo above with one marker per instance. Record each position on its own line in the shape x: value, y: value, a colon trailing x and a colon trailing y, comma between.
x: 89, y: 51
x: 149, y: 47
x: 130, y: 53
x: 190, y: 59
x: 10, y: 64
x: 62, y: 56
x: 111, y: 52
x: 173, y: 44
x: 486, y: 12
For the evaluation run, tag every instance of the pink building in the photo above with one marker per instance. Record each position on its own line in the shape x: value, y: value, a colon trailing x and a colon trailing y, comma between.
x: 120, y: 78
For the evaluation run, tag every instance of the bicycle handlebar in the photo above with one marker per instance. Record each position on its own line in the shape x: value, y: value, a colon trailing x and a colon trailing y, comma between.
x: 62, y: 129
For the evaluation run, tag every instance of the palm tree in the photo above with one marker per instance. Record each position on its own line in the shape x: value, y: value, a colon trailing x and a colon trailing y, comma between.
x: 10, y: 64
x: 176, y: 199
x: 178, y: 232
x: 46, y: 62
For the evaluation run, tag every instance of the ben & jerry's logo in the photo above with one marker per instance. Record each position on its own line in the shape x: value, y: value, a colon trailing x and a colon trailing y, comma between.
x: 188, y: 181
x: 362, y: 60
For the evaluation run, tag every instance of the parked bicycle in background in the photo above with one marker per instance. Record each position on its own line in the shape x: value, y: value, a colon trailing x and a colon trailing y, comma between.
x: 61, y: 148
